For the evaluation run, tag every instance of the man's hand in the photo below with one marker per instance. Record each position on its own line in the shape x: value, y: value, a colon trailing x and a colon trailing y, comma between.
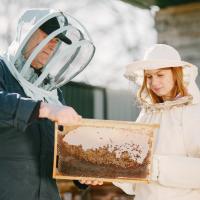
x: 59, y: 113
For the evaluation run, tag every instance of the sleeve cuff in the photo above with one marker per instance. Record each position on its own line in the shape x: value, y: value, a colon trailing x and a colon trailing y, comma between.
x: 35, y: 113
x: 24, y: 111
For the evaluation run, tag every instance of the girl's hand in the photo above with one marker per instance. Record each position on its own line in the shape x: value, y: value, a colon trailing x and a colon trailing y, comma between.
x: 91, y: 182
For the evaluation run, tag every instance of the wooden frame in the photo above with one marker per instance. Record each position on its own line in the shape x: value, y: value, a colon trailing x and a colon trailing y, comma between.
x: 147, y: 130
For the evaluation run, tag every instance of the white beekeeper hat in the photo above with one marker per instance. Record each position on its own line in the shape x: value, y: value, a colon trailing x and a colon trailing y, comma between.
x: 162, y: 56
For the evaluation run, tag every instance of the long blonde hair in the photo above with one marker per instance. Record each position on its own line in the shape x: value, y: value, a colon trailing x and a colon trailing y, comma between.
x: 178, y: 88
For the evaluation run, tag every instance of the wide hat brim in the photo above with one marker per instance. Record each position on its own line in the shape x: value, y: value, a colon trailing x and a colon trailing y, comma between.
x: 154, y: 64
x: 136, y: 69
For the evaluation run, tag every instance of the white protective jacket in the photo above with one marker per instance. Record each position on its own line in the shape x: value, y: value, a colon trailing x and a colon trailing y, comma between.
x: 176, y: 160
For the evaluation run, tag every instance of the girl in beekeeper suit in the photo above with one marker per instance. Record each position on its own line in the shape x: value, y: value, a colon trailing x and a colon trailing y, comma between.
x: 169, y: 97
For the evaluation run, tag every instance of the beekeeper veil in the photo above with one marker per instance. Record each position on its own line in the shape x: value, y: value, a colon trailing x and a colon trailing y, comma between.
x: 163, y: 56
x: 43, y: 62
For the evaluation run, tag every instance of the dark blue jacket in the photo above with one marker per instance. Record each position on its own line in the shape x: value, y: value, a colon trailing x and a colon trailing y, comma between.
x: 26, y: 146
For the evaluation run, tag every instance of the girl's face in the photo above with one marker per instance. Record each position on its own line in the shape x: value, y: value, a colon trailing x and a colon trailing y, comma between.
x: 160, y: 81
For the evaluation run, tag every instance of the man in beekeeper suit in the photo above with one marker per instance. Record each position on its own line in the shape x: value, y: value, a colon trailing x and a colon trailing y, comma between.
x: 50, y: 49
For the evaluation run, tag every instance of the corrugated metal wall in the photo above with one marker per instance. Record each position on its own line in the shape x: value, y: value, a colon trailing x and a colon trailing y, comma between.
x: 80, y: 97
x: 121, y: 105
x: 99, y: 103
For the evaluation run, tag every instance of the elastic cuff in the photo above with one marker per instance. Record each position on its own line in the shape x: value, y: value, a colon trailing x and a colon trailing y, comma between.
x: 35, y: 113
x: 24, y: 110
